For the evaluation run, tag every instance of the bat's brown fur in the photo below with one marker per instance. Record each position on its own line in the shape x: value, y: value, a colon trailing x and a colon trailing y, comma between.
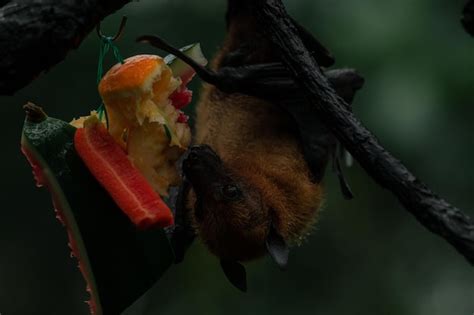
x: 258, y: 145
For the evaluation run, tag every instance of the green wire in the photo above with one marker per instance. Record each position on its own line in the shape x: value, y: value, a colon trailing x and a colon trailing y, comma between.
x: 105, y: 44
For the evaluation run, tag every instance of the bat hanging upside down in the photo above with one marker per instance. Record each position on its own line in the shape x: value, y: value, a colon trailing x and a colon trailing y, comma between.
x: 253, y: 180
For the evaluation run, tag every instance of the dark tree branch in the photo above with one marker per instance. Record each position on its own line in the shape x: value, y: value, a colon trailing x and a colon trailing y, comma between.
x: 468, y: 17
x: 37, y: 34
x: 430, y: 210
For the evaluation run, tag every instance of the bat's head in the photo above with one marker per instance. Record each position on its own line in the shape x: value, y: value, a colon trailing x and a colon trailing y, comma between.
x: 229, y: 215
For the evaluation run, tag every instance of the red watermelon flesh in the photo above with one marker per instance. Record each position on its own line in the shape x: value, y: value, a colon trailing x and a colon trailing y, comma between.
x: 110, y: 165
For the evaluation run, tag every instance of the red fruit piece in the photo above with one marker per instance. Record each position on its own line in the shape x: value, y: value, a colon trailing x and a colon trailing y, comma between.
x: 182, y: 118
x: 181, y: 97
x: 115, y: 172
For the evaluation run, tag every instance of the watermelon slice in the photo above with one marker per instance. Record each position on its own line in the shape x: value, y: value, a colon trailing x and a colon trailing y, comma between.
x: 110, y: 165
x: 118, y: 262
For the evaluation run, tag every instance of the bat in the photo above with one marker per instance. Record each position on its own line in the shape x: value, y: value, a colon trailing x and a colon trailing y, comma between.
x: 252, y: 183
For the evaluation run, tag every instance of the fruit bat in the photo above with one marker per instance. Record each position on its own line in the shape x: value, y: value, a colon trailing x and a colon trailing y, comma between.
x: 252, y: 183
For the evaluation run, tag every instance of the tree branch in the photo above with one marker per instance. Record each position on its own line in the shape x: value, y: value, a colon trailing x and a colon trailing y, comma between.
x: 37, y: 34
x: 468, y: 17
x: 434, y: 213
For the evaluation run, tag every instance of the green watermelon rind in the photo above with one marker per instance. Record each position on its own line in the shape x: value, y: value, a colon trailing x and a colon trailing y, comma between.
x: 50, y: 181
x: 119, y: 262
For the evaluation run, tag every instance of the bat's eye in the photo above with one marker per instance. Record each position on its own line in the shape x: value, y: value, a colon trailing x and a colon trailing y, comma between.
x: 231, y: 192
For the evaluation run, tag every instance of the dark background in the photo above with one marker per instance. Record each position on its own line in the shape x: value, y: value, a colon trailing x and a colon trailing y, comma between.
x: 366, y: 256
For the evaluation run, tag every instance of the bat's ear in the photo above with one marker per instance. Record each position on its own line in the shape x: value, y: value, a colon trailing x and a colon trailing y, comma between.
x: 336, y: 165
x: 277, y: 248
x: 235, y: 273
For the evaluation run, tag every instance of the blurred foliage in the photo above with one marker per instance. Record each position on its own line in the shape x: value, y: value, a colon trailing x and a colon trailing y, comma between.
x: 367, y: 256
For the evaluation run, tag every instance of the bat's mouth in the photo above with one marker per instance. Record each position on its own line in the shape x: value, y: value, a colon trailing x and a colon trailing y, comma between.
x: 202, y: 166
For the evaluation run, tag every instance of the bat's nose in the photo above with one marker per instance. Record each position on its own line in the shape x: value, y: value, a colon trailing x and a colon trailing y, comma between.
x: 193, y: 157
x: 201, y: 152
x: 200, y: 149
x: 201, y: 159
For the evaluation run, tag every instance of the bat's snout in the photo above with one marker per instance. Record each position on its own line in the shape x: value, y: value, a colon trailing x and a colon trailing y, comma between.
x: 201, y: 159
